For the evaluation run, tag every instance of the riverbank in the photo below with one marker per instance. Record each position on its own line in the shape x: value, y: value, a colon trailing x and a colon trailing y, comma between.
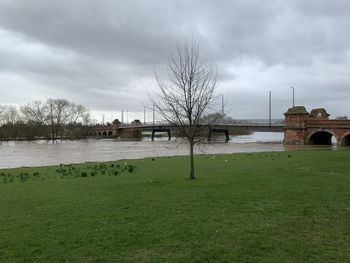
x: 248, y: 207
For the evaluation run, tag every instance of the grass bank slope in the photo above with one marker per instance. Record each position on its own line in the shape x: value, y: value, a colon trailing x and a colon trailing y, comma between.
x: 261, y: 207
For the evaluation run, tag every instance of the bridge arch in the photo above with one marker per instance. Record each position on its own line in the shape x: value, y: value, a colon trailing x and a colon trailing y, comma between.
x: 99, y: 134
x: 104, y: 133
x: 321, y: 137
x: 110, y: 133
x: 345, y: 141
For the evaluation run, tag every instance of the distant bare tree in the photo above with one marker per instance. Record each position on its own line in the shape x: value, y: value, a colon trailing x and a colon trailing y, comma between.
x: 8, y: 118
x: 186, y: 95
x: 9, y: 114
x: 78, y: 113
x: 58, y: 115
x: 35, y: 116
x: 35, y: 113
x: 62, y: 114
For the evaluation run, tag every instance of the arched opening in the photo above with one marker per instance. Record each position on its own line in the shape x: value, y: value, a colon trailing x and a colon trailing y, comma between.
x: 322, y: 138
x: 104, y: 133
x: 99, y: 134
x: 346, y: 140
x: 110, y: 133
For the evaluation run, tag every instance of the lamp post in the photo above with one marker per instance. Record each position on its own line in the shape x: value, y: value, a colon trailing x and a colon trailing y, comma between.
x: 293, y: 95
x: 153, y: 113
x: 222, y: 105
x: 270, y: 121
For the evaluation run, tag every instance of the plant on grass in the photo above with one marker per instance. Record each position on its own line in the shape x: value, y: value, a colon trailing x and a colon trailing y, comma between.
x: 131, y: 168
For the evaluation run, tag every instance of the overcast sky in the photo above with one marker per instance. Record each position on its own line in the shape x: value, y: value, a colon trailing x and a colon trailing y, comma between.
x: 102, y: 54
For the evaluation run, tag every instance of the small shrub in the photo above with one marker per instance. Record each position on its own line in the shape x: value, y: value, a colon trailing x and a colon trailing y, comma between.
x: 23, y: 177
x: 83, y: 174
x: 131, y: 168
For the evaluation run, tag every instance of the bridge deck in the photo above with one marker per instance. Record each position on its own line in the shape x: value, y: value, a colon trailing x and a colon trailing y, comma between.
x: 245, y: 127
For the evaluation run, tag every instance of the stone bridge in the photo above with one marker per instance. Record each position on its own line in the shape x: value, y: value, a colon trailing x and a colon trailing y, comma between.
x: 135, y: 129
x: 116, y: 129
x: 315, y: 128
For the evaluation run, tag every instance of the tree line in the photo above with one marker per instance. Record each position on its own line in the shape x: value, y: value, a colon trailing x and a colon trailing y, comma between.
x: 52, y: 119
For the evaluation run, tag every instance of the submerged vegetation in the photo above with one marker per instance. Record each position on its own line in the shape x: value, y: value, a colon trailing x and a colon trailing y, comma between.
x: 251, y: 207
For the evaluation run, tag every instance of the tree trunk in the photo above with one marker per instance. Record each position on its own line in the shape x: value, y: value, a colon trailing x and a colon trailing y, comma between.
x: 191, y: 162
x: 53, y: 134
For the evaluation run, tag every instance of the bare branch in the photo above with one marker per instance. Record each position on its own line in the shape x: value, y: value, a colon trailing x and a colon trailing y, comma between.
x: 187, y: 94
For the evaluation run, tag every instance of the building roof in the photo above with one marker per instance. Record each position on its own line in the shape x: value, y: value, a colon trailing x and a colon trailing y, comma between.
x: 296, y: 110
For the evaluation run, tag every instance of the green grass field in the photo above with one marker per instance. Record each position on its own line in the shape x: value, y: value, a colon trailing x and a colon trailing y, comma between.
x: 261, y: 207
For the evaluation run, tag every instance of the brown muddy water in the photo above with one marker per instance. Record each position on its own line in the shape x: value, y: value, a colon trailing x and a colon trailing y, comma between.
x: 41, y: 153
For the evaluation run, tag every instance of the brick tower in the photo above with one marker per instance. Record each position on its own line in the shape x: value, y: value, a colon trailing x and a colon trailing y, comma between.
x: 294, y: 130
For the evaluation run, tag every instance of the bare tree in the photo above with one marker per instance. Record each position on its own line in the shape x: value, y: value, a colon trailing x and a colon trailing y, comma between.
x: 78, y: 113
x: 35, y: 113
x: 8, y: 119
x: 187, y: 94
x: 58, y: 115
x: 9, y: 114
x: 63, y: 114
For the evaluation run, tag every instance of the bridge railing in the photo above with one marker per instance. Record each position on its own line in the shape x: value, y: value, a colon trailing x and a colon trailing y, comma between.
x: 212, y: 125
x: 328, y: 123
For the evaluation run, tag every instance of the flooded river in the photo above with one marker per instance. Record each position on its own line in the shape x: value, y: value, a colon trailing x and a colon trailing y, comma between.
x: 41, y: 153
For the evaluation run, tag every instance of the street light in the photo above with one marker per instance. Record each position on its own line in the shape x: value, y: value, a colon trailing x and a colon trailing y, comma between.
x: 293, y: 95
x: 270, y: 120
x: 222, y: 105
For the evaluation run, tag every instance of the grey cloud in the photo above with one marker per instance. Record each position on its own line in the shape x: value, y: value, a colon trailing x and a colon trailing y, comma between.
x: 103, y: 53
x: 145, y: 31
